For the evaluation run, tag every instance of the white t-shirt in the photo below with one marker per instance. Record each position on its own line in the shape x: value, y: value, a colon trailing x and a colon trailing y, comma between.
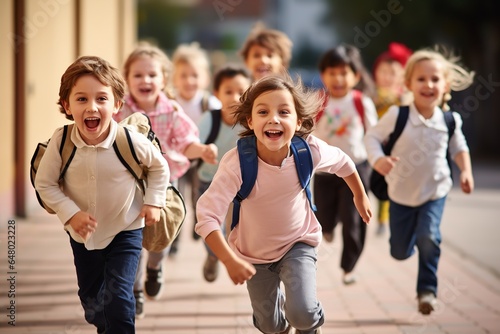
x: 341, y: 125
x: 193, y: 108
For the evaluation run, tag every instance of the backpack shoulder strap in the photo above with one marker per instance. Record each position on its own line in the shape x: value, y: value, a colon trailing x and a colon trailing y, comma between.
x: 247, y: 152
x: 204, y: 101
x: 358, y: 103
x: 303, y: 164
x: 451, y: 125
x: 67, y: 149
x: 404, y: 112
x: 214, y: 130
x: 125, y: 151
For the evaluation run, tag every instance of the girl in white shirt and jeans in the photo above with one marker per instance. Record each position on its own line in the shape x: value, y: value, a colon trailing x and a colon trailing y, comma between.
x: 417, y: 171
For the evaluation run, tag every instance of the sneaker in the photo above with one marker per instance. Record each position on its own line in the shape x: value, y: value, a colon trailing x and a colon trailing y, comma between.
x: 211, y: 268
x: 139, y: 304
x: 154, y: 283
x: 328, y: 236
x: 427, y: 302
x: 349, y: 278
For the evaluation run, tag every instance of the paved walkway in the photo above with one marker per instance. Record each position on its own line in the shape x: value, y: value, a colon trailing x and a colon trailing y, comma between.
x: 383, y: 301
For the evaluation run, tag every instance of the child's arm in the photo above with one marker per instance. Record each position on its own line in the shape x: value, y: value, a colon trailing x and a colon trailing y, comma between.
x: 238, y: 269
x: 361, y: 200
x: 462, y: 159
x: 208, y: 153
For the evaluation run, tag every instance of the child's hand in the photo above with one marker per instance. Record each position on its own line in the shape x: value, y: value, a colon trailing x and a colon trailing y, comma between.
x: 363, y: 206
x: 239, y: 270
x: 151, y: 214
x: 209, y: 154
x: 466, y: 182
x: 83, y: 223
x: 385, y: 164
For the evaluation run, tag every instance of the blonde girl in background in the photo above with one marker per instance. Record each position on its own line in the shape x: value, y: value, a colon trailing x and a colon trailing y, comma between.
x: 146, y: 73
x: 417, y: 172
x: 191, y: 80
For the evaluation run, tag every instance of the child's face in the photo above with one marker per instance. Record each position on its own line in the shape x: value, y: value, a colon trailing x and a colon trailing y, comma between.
x: 92, y: 106
x: 229, y: 93
x: 274, y: 121
x: 146, y: 81
x: 188, y: 79
x: 262, y: 62
x: 339, y: 80
x: 389, y: 75
x: 428, y: 84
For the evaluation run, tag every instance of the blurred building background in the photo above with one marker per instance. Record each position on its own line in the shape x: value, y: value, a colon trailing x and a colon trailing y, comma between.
x: 42, y: 37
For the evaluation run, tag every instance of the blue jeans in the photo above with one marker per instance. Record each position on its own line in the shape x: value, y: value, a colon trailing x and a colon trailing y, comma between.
x: 105, y: 280
x: 418, y: 226
x: 298, y: 304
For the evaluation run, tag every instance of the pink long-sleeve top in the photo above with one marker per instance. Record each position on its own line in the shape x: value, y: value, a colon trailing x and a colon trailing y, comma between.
x: 276, y: 214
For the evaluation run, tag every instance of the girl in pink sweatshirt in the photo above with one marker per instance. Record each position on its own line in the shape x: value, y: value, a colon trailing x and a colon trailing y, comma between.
x: 277, y: 235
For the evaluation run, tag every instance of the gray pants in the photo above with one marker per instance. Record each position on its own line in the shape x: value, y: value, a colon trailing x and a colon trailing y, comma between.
x: 272, y: 307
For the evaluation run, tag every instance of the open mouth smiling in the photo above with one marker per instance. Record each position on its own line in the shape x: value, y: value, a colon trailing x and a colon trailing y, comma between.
x: 273, y: 133
x: 92, y: 122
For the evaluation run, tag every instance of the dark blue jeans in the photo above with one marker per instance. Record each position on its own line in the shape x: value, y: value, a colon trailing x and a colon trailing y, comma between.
x: 418, y: 227
x: 105, y: 281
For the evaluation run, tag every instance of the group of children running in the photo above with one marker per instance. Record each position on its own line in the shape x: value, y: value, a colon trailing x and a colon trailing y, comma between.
x: 274, y: 246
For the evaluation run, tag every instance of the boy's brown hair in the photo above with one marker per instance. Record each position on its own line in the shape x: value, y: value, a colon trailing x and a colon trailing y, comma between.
x: 307, y: 102
x: 271, y: 39
x: 97, y: 67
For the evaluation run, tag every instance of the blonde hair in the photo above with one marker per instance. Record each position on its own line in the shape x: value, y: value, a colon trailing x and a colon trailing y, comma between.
x: 97, y: 67
x: 458, y: 77
x: 146, y: 49
x: 191, y: 54
x: 307, y: 102
x: 271, y: 39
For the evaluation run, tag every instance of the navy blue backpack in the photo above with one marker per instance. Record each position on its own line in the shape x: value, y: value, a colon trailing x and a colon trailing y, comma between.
x: 247, y: 151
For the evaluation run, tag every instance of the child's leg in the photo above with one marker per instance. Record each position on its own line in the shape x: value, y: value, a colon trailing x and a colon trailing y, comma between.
x: 89, y: 272
x: 122, y: 257
x: 353, y: 232
x: 297, y: 271
x: 353, y: 227
x: 428, y: 238
x: 267, y: 299
x: 141, y: 269
x: 403, y: 220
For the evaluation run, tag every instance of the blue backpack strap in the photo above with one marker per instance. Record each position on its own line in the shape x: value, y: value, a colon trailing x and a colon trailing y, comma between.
x: 450, y: 124
x: 404, y: 112
x: 247, y: 152
x: 304, y: 165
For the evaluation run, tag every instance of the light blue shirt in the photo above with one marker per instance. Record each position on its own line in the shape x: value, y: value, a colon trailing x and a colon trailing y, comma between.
x: 226, y: 140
